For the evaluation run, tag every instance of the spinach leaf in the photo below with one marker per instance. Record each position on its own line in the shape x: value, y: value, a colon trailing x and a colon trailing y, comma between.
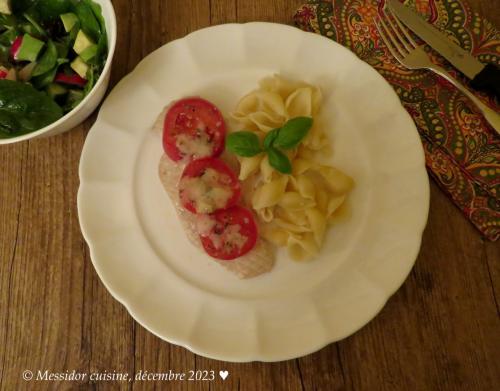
x: 293, y: 132
x: 32, y: 18
x: 51, y: 9
x: 28, y: 28
x: 47, y: 61
x: 97, y: 10
x: 279, y: 161
x: 23, y: 109
x: 89, y: 23
x: 243, y: 143
x: 102, y: 49
x: 7, y: 21
x: 46, y: 78
x: 8, y: 37
x: 62, y: 49
x: 20, y: 6
x: 74, y: 98
x: 91, y: 80
x: 4, y: 54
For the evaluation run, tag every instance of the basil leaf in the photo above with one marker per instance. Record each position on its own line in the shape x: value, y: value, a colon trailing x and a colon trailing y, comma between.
x: 47, y: 61
x: 279, y: 161
x: 243, y: 143
x: 24, y: 109
x: 293, y: 132
x: 270, y: 137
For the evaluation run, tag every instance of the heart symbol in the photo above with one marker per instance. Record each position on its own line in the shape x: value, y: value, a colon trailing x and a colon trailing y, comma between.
x: 223, y: 374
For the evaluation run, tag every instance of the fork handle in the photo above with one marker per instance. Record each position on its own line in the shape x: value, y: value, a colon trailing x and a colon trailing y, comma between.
x: 491, y: 116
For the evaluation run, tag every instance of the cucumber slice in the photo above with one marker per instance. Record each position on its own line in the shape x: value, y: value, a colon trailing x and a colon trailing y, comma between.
x: 69, y: 20
x: 82, y: 42
x: 89, y: 53
x: 80, y: 67
x: 30, y: 48
x: 54, y: 90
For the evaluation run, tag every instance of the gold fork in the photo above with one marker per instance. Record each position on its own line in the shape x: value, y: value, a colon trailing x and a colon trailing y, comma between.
x: 412, y: 56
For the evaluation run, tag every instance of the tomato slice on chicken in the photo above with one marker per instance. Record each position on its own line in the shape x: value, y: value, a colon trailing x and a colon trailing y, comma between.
x: 193, y: 128
x: 207, y: 185
x: 228, y: 234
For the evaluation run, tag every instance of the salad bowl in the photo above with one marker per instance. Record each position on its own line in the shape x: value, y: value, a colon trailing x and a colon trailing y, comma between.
x: 94, y: 97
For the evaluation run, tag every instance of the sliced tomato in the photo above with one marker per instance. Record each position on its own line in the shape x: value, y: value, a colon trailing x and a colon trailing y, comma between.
x: 207, y: 185
x: 193, y: 128
x: 228, y: 234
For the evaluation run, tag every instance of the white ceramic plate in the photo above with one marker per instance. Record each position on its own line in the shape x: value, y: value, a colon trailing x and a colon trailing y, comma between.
x: 174, y: 290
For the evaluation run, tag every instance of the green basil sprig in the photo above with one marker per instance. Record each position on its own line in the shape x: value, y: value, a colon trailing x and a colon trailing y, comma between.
x: 279, y: 161
x: 243, y: 143
x: 289, y: 136
x: 293, y: 132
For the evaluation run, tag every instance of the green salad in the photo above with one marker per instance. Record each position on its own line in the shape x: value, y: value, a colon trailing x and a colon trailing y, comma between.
x: 52, y: 53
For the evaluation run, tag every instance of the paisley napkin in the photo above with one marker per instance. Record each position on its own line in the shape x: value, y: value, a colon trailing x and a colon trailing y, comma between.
x: 462, y: 150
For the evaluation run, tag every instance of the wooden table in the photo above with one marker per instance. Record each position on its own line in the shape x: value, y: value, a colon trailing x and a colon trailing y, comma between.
x: 440, y: 331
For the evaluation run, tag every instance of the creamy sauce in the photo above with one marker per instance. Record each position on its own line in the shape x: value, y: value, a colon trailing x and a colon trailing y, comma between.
x: 208, y: 192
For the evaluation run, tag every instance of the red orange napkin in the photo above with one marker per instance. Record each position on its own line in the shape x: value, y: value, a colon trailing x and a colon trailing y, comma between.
x: 462, y: 150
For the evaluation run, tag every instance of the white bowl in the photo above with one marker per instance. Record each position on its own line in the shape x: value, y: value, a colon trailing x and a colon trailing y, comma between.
x: 92, y: 100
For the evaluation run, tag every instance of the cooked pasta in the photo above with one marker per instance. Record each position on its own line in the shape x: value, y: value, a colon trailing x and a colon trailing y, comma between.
x: 294, y: 210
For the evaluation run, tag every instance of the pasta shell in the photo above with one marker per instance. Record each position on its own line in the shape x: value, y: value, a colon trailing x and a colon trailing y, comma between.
x: 275, y: 235
x: 301, y: 165
x: 299, y: 103
x: 284, y: 87
x: 269, y: 194
x: 296, y: 217
x: 338, y: 182
x: 334, y: 204
x: 266, y: 214
x: 294, y: 201
x: 317, y: 221
x: 302, y: 247
x: 266, y: 171
x: 322, y: 200
x: 249, y: 165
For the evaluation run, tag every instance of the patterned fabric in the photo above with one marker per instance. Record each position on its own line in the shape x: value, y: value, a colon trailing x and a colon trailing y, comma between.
x: 462, y: 150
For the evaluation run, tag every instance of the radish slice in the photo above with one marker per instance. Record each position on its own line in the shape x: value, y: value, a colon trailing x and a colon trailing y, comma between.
x: 73, y: 80
x: 16, y: 45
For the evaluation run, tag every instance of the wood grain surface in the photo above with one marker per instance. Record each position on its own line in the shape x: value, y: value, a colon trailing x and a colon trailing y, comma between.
x: 440, y: 331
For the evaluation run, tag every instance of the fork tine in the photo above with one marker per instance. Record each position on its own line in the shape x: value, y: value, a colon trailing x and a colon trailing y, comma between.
x: 404, y: 30
x: 388, y: 42
x: 395, y: 30
x: 393, y: 38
